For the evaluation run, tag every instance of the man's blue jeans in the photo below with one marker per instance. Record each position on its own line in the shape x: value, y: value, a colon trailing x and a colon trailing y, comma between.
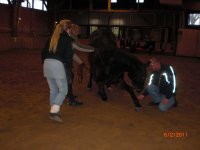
x: 58, y: 90
x: 153, y: 91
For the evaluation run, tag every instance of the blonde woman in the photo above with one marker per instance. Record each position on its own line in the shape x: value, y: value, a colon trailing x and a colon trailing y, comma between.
x: 56, y: 54
x: 83, y: 48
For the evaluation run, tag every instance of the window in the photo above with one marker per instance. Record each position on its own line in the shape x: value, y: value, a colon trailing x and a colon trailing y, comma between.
x: 115, y: 30
x: 27, y: 3
x: 139, y: 1
x: 38, y: 4
x: 44, y: 6
x: 194, y: 19
x: 4, y: 1
x: 113, y: 1
x: 93, y: 28
x: 35, y: 4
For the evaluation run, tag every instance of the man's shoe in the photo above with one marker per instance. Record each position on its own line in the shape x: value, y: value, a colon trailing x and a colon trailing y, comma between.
x: 55, y: 117
x: 175, y: 104
x: 74, y: 103
x: 67, y: 97
x: 153, y: 104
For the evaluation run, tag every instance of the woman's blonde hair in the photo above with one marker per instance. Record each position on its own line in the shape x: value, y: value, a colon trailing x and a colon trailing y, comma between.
x: 60, y: 27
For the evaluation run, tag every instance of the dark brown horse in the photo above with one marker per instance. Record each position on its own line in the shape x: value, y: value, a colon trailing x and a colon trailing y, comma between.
x: 108, y: 65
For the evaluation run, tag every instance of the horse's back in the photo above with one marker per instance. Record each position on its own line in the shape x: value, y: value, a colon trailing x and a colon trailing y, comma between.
x: 125, y: 57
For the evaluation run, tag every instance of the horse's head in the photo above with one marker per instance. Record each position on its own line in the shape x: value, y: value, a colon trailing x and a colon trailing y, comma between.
x: 138, y: 77
x: 103, y: 39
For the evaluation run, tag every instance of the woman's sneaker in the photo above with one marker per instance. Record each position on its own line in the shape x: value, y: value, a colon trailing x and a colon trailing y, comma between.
x: 55, y: 117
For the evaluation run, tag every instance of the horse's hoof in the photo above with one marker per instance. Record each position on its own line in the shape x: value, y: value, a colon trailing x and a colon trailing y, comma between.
x: 104, y: 98
x: 137, y: 109
x: 175, y: 104
x: 89, y: 87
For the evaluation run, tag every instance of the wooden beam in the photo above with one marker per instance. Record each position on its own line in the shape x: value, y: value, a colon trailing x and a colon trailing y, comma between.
x: 109, y: 5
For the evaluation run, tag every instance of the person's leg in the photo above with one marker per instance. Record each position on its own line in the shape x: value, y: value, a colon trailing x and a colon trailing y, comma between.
x: 70, y: 95
x: 72, y: 98
x: 63, y: 89
x: 58, y: 90
x: 53, y: 89
x: 69, y: 81
x: 70, y: 78
x: 164, y: 107
x: 153, y: 91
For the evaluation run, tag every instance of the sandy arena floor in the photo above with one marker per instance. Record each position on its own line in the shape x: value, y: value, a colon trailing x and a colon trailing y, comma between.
x: 97, y: 125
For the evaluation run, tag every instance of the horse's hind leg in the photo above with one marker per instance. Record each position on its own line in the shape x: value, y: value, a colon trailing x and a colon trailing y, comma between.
x: 133, y: 96
x: 102, y: 92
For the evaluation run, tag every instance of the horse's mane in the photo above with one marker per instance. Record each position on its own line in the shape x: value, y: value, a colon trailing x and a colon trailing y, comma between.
x: 103, y: 39
x: 124, y: 57
x: 106, y: 51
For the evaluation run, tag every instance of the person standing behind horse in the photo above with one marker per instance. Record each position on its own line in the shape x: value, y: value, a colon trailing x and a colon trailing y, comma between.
x: 75, y: 29
x: 55, y: 55
x: 161, y: 86
x: 77, y: 45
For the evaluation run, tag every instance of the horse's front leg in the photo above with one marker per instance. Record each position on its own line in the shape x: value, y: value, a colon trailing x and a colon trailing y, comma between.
x: 91, y: 70
x: 101, y: 91
x: 133, y: 96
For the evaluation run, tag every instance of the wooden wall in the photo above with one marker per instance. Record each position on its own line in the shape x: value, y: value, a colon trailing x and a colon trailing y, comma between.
x: 188, y: 43
x: 31, y: 28
x: 23, y: 28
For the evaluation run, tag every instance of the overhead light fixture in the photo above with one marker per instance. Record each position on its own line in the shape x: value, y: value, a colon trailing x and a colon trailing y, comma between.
x: 139, y: 1
x: 113, y: 1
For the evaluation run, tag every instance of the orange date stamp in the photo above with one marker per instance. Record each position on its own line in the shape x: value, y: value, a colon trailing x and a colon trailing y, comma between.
x: 175, y: 134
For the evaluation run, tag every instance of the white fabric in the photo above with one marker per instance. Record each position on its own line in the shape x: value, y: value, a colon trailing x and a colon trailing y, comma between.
x: 54, y: 68
x: 55, y: 109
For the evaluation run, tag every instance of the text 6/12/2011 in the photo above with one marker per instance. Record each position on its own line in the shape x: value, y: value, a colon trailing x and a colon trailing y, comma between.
x: 176, y: 134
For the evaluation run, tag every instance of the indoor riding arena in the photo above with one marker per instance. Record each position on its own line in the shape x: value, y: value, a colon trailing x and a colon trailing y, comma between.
x: 99, y: 125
